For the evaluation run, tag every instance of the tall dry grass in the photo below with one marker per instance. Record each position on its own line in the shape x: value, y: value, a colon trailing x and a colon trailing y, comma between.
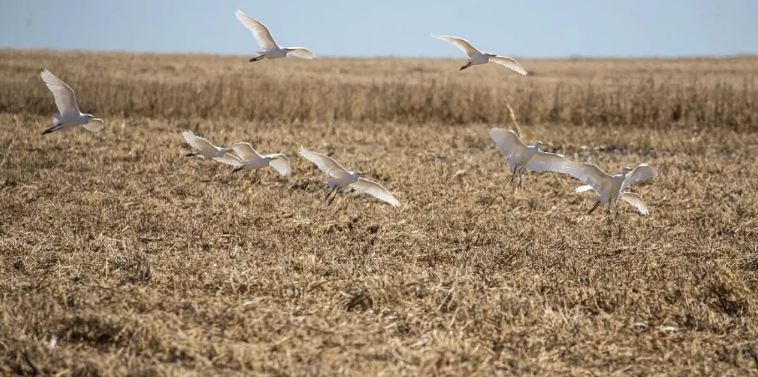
x: 655, y: 94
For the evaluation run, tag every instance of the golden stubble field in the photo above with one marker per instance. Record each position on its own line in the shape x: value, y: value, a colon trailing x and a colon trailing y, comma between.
x: 120, y: 256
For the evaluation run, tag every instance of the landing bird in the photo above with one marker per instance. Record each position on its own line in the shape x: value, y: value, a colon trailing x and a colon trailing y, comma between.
x: 610, y: 188
x: 521, y: 157
x: 247, y: 158
x: 341, y: 178
x: 269, y: 48
x: 68, y: 110
x: 476, y: 57
x: 204, y: 148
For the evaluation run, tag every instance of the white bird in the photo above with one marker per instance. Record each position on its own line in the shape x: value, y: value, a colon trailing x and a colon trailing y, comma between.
x: 269, y: 48
x: 341, y: 178
x: 68, y: 110
x: 204, y: 148
x: 476, y: 57
x: 521, y: 157
x: 247, y: 158
x: 610, y: 188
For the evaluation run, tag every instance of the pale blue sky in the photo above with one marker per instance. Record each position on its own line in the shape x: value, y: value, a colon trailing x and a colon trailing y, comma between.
x: 539, y: 28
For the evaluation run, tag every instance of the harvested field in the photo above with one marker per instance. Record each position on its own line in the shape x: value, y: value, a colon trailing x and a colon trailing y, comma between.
x: 139, y: 261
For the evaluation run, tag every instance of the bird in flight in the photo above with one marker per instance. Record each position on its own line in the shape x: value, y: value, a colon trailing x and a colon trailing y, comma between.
x: 522, y: 157
x: 68, y: 110
x: 476, y: 57
x: 341, y: 179
x: 611, y: 188
x: 269, y: 48
x: 205, y: 149
x: 247, y: 158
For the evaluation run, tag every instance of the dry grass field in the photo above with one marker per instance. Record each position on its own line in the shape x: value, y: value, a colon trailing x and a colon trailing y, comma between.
x: 120, y: 256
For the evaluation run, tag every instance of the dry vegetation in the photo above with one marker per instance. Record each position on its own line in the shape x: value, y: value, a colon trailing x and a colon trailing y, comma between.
x: 139, y: 261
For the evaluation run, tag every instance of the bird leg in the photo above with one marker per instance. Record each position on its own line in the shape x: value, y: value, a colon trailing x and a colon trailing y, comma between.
x: 336, y: 191
x: 330, y: 192
x: 597, y: 203
x: 465, y: 66
x: 255, y: 59
x: 51, y: 130
x: 513, y: 176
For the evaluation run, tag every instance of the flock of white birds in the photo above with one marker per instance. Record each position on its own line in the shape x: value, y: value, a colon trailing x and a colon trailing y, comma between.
x: 610, y: 189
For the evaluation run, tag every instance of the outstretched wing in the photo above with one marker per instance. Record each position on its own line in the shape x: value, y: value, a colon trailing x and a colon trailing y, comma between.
x: 509, y: 144
x: 245, y: 151
x: 65, y: 99
x: 202, y: 146
x: 552, y: 162
x: 229, y: 159
x: 461, y: 43
x: 94, y: 125
x: 300, y: 52
x: 325, y: 163
x: 280, y: 163
x: 260, y: 31
x: 591, y: 175
x: 510, y: 63
x: 635, y: 201
x: 376, y: 190
x: 642, y: 173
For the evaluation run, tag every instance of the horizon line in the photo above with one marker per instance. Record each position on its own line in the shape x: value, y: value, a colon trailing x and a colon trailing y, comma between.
x: 389, y: 57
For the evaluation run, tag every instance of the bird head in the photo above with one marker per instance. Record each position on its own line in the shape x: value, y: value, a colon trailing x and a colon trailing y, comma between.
x: 89, y: 116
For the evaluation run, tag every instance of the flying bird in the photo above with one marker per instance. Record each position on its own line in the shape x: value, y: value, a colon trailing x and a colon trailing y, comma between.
x: 521, y: 157
x: 341, y: 178
x: 205, y: 149
x: 247, y: 158
x: 269, y: 48
x: 611, y: 188
x: 476, y: 57
x: 68, y: 110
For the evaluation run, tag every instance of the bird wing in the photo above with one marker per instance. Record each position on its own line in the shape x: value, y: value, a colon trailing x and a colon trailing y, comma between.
x: 325, y: 163
x: 461, y: 43
x: 202, y: 146
x: 229, y: 159
x: 376, y: 190
x: 280, y: 163
x: 94, y: 125
x: 589, y: 174
x: 642, y: 173
x: 245, y: 151
x: 260, y: 32
x: 510, y: 63
x: 300, y: 52
x: 635, y: 201
x: 508, y: 143
x: 65, y: 99
x: 552, y: 162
